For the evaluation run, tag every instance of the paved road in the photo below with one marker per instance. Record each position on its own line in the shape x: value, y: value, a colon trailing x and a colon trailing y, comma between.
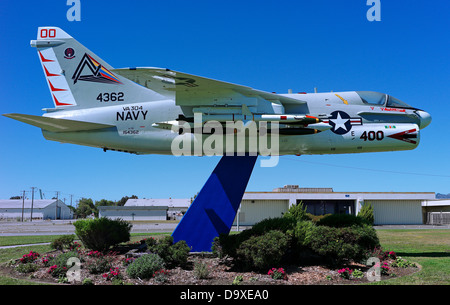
x: 61, y: 227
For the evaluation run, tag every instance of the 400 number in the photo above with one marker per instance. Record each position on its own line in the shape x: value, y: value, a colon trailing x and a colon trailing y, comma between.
x: 111, y: 97
x: 372, y: 135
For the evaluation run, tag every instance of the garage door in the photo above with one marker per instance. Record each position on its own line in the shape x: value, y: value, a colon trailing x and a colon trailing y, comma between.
x: 397, y: 212
x: 253, y: 211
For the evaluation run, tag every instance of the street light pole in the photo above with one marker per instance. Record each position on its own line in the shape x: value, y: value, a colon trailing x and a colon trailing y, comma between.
x: 32, y: 202
x: 23, y: 203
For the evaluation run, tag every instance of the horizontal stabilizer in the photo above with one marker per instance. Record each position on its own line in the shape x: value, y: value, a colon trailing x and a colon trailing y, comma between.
x: 56, y: 125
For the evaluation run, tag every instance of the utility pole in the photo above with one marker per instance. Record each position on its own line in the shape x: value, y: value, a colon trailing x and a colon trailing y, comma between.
x: 56, y: 205
x: 32, y: 202
x: 23, y: 203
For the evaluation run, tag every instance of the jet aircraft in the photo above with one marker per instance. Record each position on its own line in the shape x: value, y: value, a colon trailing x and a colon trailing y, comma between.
x: 143, y: 110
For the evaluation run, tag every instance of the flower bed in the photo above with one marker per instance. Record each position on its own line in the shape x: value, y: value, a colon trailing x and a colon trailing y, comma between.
x: 97, y: 268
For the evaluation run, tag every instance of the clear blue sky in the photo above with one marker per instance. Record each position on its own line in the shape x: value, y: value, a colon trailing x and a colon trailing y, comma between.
x: 267, y: 45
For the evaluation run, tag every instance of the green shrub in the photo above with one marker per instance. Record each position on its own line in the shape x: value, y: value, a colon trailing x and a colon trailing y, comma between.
x: 145, y: 266
x: 61, y: 259
x: 366, y: 213
x: 303, y: 232
x: 201, y: 270
x: 87, y: 282
x: 264, y: 251
x: 102, y: 233
x: 282, y: 224
x: 226, y: 244
x: 316, y: 218
x: 99, y: 265
x: 27, y: 268
x: 58, y: 271
x: 174, y: 255
x: 63, y: 242
x: 337, y: 245
x: 297, y: 212
x: 341, y: 221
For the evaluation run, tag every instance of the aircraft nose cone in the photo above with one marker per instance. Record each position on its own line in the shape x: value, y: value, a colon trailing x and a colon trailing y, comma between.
x: 425, y: 118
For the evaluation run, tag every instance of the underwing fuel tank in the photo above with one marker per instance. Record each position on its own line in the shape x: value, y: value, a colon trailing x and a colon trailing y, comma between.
x: 300, y: 119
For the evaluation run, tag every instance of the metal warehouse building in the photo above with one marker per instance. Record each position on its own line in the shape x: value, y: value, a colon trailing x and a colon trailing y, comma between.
x: 147, y: 209
x: 40, y: 209
x: 389, y: 208
x: 131, y: 213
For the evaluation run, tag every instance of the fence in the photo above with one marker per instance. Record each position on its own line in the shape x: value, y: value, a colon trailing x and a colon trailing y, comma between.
x: 438, y: 218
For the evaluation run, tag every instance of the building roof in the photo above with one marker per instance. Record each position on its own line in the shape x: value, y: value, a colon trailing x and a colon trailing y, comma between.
x: 132, y: 208
x: 159, y: 202
x: 339, y: 195
x: 436, y: 203
x: 17, y: 203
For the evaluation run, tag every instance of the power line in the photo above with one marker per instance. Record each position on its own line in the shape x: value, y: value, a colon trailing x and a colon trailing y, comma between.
x: 370, y: 169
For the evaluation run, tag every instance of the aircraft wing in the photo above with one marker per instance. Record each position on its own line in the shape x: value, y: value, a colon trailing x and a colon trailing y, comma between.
x: 192, y: 90
x: 55, y: 125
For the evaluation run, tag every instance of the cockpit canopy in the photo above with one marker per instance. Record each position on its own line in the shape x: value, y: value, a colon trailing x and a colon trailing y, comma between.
x: 381, y: 99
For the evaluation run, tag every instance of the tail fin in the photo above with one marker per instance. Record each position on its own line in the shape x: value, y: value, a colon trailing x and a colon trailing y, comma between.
x: 78, y: 78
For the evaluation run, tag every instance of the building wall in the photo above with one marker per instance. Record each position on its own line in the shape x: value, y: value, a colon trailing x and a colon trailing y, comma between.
x: 397, y: 212
x: 253, y: 211
x: 46, y: 212
x: 133, y: 214
x: 17, y: 213
x: 385, y: 211
x: 61, y: 211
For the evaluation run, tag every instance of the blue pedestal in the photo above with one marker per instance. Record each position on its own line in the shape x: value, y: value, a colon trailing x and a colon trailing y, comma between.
x: 214, y: 209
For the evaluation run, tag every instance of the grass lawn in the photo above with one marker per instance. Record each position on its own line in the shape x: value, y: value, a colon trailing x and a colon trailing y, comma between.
x: 429, y: 248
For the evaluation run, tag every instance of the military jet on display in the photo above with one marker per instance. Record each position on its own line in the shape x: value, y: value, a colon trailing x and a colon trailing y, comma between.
x: 138, y: 110
x: 160, y: 111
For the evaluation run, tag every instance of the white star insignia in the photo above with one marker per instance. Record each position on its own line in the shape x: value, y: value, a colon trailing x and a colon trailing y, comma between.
x: 339, y: 122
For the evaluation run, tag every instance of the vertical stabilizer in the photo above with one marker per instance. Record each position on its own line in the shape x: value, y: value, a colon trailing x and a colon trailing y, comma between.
x: 78, y: 78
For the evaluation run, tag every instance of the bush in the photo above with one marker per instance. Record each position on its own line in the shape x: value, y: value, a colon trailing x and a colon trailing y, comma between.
x: 102, y: 233
x: 27, y: 268
x: 201, y: 270
x: 99, y: 265
x: 332, y: 240
x: 174, y: 255
x: 29, y: 258
x: 264, y: 251
x: 297, y: 212
x: 303, y: 232
x: 316, y: 218
x: 61, y: 259
x: 63, y: 242
x: 366, y: 213
x: 227, y: 244
x: 282, y: 224
x: 343, y: 244
x: 145, y: 266
x: 58, y: 264
x: 341, y: 221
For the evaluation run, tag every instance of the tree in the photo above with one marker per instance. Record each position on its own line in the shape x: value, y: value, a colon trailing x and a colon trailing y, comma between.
x: 104, y: 202
x: 122, y: 201
x: 366, y: 213
x: 86, y: 207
